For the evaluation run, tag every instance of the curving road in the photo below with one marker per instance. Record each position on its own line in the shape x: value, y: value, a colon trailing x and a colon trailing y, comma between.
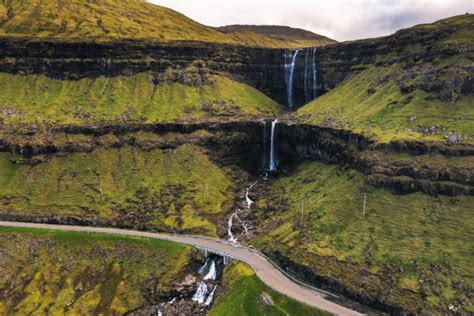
x: 270, y: 275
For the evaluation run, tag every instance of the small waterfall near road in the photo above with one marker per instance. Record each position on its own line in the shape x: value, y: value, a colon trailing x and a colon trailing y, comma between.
x: 290, y: 61
x: 210, y: 297
x: 201, y: 292
x: 273, y: 163
x: 203, y: 268
x: 212, y: 274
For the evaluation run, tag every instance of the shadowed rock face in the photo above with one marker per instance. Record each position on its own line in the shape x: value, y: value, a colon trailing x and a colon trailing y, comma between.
x: 246, y: 144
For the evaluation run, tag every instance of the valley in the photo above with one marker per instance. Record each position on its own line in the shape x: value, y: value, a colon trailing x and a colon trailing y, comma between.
x: 350, y: 165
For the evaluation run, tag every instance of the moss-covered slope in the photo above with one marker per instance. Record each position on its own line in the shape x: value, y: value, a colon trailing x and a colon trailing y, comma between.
x: 59, y: 273
x: 419, y: 90
x: 37, y: 99
x: 409, y: 251
x: 177, y: 190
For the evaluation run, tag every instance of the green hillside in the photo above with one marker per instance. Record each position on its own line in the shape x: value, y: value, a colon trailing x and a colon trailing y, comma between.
x: 419, y: 246
x: 177, y: 190
x: 425, y: 95
x: 39, y: 99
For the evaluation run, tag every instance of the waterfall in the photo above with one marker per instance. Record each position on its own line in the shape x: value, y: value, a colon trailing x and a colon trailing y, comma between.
x: 210, y: 297
x: 230, y: 222
x: 289, y: 74
x: 315, y: 94
x: 273, y: 163
x: 160, y: 313
x: 203, y: 268
x: 201, y: 291
x: 248, y: 200
x: 212, y: 274
x: 306, y: 98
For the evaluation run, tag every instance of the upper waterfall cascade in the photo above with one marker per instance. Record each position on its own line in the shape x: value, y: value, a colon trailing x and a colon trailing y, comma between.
x: 290, y: 61
x: 301, y: 87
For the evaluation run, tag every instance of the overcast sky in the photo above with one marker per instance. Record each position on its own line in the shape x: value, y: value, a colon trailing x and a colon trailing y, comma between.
x: 338, y: 19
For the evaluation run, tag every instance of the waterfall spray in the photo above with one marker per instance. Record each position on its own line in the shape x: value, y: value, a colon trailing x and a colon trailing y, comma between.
x: 290, y: 61
x: 273, y: 163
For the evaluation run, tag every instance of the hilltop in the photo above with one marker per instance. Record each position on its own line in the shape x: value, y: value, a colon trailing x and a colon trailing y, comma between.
x: 293, y: 37
x: 101, y: 20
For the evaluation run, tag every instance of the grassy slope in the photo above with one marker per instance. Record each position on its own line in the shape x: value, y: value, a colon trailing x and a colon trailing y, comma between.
x: 242, y: 297
x: 82, y: 274
x: 372, y: 102
x: 164, y: 190
x: 39, y: 99
x: 407, y: 237
x: 388, y: 114
x: 105, y: 20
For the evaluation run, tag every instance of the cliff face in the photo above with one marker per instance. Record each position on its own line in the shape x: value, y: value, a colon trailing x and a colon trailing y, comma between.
x: 262, y: 68
x: 258, y: 67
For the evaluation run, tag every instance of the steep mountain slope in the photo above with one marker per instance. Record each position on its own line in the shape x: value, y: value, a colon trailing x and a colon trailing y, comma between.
x: 419, y: 90
x: 291, y: 37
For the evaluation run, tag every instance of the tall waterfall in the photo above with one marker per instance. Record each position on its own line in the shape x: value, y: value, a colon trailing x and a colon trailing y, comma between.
x: 315, y: 74
x: 212, y: 274
x: 273, y: 164
x: 290, y: 60
x: 306, y: 97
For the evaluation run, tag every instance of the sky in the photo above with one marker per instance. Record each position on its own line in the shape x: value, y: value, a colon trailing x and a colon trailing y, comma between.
x: 338, y: 19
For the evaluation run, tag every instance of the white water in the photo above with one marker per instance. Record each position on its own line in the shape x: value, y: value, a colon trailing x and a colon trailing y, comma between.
x: 230, y: 222
x: 212, y: 274
x: 210, y: 297
x: 272, y: 166
x: 314, y: 74
x: 306, y: 98
x: 160, y: 313
x: 289, y: 72
x: 248, y: 200
x: 172, y: 301
x: 201, y: 291
x: 202, y: 269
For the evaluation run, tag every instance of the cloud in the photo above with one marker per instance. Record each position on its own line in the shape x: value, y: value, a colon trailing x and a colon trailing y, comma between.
x: 338, y: 19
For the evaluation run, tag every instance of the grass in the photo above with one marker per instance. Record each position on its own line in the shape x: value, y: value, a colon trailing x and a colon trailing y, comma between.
x: 367, y: 104
x: 41, y: 100
x: 165, y: 190
x: 106, y: 20
x: 409, y: 237
x: 243, y: 296
x: 49, y: 272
